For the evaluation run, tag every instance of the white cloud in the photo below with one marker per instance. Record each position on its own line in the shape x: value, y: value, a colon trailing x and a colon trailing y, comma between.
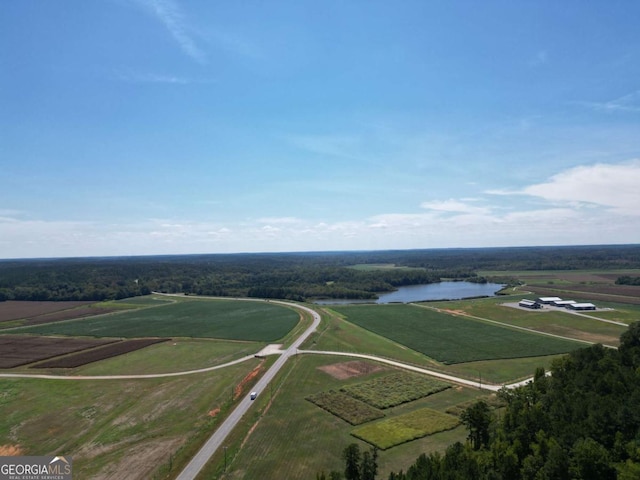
x: 170, y: 14
x: 454, y: 206
x: 583, y: 205
x: 613, y: 186
x: 625, y: 103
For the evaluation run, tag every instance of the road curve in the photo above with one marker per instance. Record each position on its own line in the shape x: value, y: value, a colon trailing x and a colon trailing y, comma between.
x: 198, y: 462
x: 214, y: 442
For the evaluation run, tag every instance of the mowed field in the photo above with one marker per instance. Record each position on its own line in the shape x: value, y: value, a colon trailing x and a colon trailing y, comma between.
x: 585, y: 326
x: 448, y: 338
x: 292, y: 438
x: 223, y: 319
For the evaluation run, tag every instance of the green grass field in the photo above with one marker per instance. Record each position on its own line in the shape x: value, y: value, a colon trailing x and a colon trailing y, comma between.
x: 448, y: 338
x: 389, y: 432
x: 224, y: 319
x: 106, y: 424
x: 314, y: 439
x: 558, y: 322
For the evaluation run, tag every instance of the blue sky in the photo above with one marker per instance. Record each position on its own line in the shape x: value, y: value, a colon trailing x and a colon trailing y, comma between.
x: 170, y: 126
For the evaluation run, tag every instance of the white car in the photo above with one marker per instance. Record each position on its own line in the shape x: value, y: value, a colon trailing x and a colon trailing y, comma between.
x: 254, y: 395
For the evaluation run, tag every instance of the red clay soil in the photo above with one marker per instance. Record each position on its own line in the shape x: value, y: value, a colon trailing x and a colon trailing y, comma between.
x: 10, y: 451
x: 214, y: 412
x: 355, y: 368
x: 102, y: 353
x: 237, y: 392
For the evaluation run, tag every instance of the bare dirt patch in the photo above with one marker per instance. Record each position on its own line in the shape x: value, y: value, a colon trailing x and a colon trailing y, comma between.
x: 16, y: 350
x: 14, y: 310
x: 355, y: 368
x: 102, y: 353
x: 237, y: 392
x: 10, y: 450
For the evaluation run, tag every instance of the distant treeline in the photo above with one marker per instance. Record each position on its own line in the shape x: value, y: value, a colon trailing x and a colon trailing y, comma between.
x: 627, y: 280
x: 296, y: 276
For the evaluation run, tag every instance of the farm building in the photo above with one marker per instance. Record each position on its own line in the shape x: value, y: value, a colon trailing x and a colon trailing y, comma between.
x: 581, y: 306
x: 529, y: 304
x: 563, y: 303
x: 548, y: 300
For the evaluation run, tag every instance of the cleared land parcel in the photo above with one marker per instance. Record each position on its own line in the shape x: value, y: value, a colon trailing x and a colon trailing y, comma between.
x: 450, y: 339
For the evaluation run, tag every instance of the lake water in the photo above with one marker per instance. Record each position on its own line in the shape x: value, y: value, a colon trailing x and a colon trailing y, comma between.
x: 431, y: 291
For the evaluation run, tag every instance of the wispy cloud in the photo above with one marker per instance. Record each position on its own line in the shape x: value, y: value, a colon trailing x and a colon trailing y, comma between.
x: 151, y: 78
x: 540, y: 58
x: 625, y: 103
x: 172, y: 17
x: 454, y: 206
x: 613, y: 186
x: 131, y: 76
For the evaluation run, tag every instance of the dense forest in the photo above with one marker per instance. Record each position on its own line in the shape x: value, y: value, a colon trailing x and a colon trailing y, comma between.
x: 581, y: 422
x: 296, y: 276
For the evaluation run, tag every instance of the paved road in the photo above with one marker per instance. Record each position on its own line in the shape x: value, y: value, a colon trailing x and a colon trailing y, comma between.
x: 198, y: 462
x: 218, y: 437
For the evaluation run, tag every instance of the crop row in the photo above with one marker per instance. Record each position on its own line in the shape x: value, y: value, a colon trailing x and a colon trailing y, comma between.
x: 349, y: 409
x: 394, y: 431
x: 96, y: 354
x: 394, y: 389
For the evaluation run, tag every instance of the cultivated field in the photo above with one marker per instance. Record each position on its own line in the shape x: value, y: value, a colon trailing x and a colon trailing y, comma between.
x: 97, y: 354
x: 449, y: 338
x: 146, y: 427
x: 224, y: 319
x: 13, y: 313
x: 394, y: 389
x: 394, y: 431
x: 18, y: 350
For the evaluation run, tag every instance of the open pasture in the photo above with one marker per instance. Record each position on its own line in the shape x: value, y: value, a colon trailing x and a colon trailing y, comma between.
x: 394, y: 431
x: 451, y: 339
x: 394, y: 389
x: 224, y: 319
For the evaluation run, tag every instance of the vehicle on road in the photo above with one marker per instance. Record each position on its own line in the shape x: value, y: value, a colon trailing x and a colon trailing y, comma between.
x: 254, y: 395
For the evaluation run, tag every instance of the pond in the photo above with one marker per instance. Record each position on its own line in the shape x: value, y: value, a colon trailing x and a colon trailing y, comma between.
x: 431, y: 291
